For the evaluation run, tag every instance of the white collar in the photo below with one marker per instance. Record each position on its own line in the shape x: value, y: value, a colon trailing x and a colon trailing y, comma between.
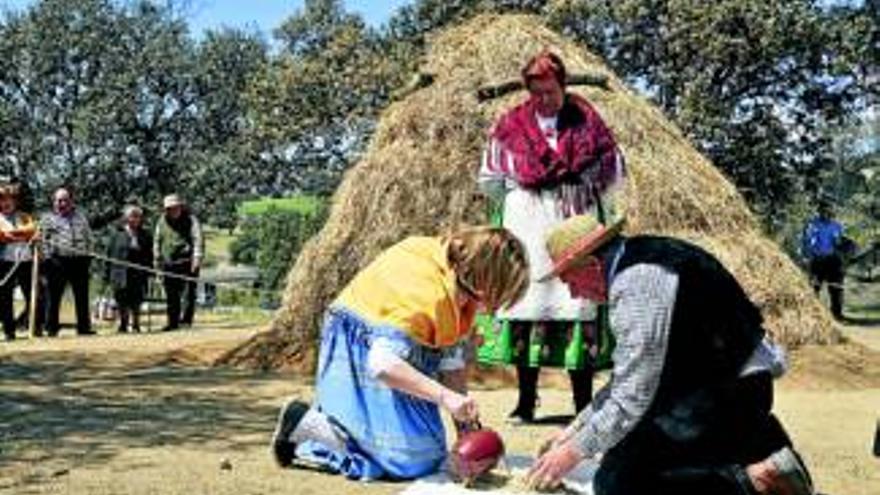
x: 546, y: 122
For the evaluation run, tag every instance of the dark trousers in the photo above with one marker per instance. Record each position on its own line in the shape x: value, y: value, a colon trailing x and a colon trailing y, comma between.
x: 705, y: 452
x: 21, y: 279
x: 829, y: 270
x: 73, y: 270
x: 129, y: 300
x: 527, y: 376
x: 581, y: 387
x: 177, y: 289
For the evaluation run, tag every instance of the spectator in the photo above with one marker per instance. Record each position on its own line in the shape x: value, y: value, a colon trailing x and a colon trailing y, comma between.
x: 823, y: 244
x: 16, y: 230
x: 178, y: 248
x: 132, y: 243
x: 67, y: 241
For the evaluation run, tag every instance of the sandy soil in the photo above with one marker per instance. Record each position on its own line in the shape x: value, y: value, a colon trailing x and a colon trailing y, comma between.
x: 138, y: 414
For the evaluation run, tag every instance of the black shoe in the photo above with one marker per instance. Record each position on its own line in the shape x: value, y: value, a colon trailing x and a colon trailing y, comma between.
x: 283, y: 450
x: 10, y: 337
x: 86, y: 333
x: 521, y: 415
x: 168, y: 328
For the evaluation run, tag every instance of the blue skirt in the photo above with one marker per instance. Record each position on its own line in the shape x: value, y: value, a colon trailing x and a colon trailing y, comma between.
x: 390, y: 434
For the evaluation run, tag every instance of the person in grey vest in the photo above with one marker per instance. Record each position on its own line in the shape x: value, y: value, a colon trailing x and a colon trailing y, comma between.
x: 178, y: 248
x: 67, y: 242
x: 687, y: 410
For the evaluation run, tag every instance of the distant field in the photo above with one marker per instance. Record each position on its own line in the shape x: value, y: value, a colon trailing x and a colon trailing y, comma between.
x: 302, y: 204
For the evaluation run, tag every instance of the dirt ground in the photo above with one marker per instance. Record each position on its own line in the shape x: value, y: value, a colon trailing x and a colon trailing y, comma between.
x: 141, y: 414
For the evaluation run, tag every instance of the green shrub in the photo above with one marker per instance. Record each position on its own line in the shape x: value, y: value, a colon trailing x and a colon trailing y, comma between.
x: 273, y: 239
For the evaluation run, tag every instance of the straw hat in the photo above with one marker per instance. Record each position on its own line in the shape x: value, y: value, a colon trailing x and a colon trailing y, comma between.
x: 172, y: 200
x: 575, y: 238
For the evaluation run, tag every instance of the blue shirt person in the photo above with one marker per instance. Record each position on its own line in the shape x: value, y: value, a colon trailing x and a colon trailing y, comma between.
x: 823, y: 245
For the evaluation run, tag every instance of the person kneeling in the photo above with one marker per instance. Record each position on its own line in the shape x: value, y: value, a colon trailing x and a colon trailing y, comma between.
x: 688, y: 406
x: 393, y: 349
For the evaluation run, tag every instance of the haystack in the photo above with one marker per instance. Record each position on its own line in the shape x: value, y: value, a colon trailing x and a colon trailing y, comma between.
x: 418, y: 177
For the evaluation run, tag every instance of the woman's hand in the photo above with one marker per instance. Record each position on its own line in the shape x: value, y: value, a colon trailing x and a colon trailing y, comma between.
x: 462, y: 407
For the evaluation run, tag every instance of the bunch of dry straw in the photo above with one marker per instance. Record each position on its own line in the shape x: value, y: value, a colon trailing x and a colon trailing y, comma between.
x: 418, y: 177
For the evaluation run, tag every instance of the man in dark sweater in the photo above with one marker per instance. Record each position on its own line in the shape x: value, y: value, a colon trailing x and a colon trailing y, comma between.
x: 688, y: 406
x: 178, y: 248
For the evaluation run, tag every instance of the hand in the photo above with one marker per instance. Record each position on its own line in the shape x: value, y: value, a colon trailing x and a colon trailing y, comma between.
x: 461, y: 407
x: 550, y: 468
x: 553, y: 440
x: 196, y: 264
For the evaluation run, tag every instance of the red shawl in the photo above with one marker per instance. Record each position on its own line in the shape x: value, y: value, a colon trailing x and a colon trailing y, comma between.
x: 586, y: 154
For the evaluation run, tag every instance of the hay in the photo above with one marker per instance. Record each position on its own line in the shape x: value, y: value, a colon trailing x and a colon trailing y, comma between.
x: 418, y: 176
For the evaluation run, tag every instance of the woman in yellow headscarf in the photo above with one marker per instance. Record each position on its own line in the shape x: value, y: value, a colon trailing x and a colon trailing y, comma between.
x: 392, y: 355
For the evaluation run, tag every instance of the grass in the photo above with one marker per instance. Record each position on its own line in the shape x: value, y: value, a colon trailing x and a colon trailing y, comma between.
x: 217, y: 243
x: 301, y: 203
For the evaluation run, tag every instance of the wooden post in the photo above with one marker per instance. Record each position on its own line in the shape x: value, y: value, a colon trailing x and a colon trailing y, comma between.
x: 491, y: 91
x: 35, y: 289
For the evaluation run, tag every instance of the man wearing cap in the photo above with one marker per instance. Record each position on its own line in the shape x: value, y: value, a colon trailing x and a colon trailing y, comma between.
x: 178, y: 248
x: 688, y: 406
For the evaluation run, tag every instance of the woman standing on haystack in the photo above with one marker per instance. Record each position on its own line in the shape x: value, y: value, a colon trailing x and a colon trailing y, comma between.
x: 391, y: 355
x: 550, y: 158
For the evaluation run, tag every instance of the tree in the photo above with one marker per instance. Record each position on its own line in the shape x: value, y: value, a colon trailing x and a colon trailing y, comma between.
x: 101, y: 97
x: 218, y: 171
x: 754, y: 83
x: 119, y: 102
x: 313, y: 107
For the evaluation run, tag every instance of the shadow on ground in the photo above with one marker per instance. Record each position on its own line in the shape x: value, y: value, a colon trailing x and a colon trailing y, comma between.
x: 85, y: 411
x: 861, y: 321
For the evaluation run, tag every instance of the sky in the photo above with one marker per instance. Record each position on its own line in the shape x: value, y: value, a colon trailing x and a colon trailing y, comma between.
x: 266, y: 15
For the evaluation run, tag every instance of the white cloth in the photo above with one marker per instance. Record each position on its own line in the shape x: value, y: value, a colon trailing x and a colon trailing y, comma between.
x: 579, y: 481
x: 383, y: 355
x: 530, y: 215
x: 548, y: 128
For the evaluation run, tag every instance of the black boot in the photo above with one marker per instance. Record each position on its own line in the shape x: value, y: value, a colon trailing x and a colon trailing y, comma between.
x: 283, y: 450
x: 581, y: 387
x: 527, y: 378
x: 123, y: 321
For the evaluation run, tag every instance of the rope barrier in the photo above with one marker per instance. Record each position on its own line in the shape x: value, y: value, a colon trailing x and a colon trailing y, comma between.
x: 11, y: 273
x: 160, y: 273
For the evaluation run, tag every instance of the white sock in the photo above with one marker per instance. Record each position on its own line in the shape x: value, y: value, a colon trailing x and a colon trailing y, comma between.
x: 317, y: 427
